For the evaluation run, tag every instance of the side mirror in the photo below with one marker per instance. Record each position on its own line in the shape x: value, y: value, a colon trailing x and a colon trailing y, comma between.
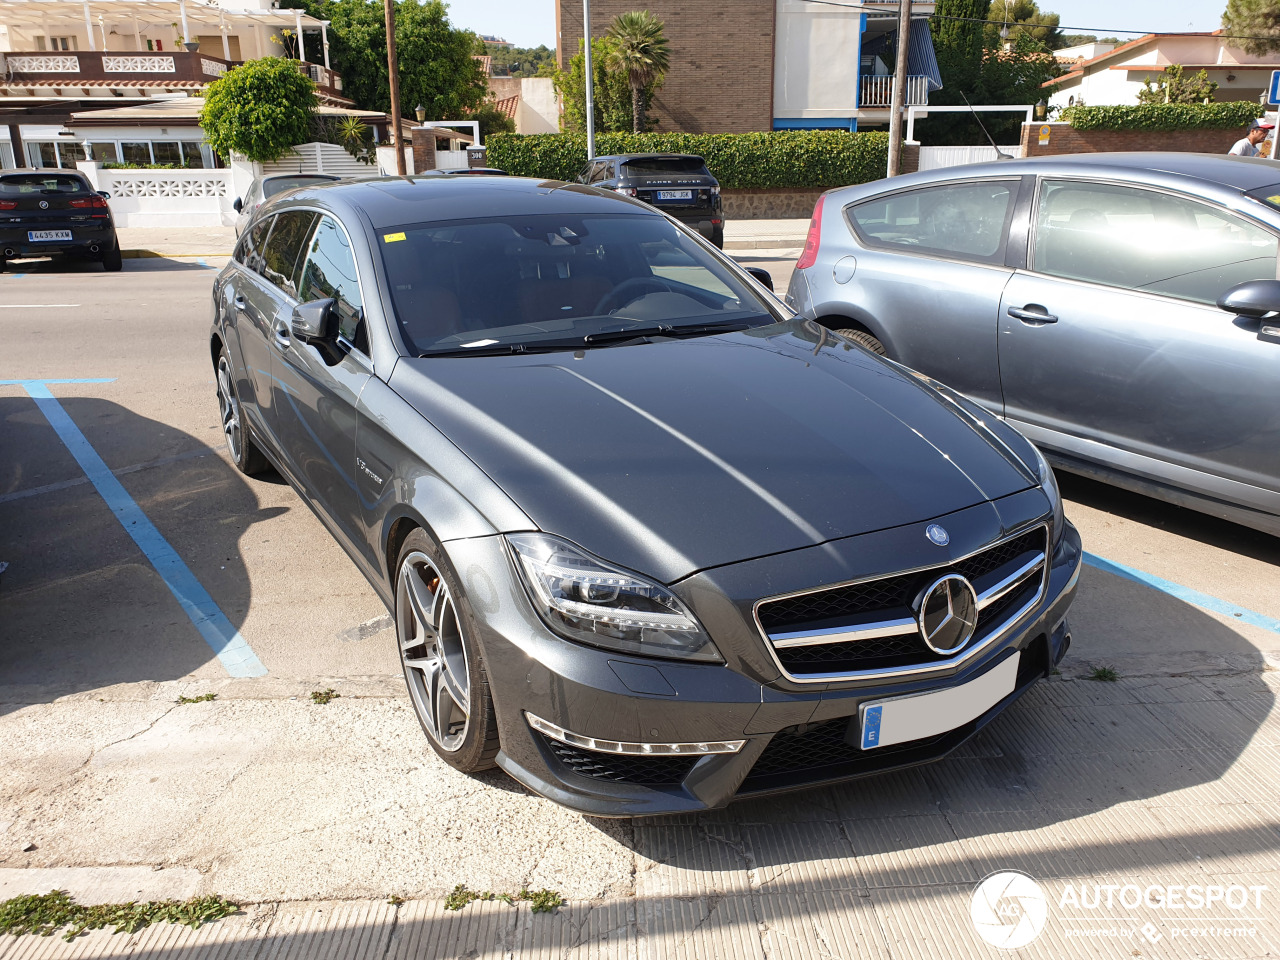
x: 762, y: 275
x: 238, y: 205
x: 315, y: 322
x: 1253, y: 299
x: 104, y: 195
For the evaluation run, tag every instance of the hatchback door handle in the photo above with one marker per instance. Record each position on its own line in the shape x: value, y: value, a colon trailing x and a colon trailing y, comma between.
x: 1033, y: 314
x: 239, y: 303
x: 282, y: 334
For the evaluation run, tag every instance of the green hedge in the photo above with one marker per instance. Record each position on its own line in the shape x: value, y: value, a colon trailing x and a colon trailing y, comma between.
x: 1164, y: 116
x: 810, y: 158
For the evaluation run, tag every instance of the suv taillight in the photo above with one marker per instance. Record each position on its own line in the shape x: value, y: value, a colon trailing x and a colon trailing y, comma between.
x: 8, y: 204
x: 810, y: 254
x: 86, y: 202
x: 625, y: 191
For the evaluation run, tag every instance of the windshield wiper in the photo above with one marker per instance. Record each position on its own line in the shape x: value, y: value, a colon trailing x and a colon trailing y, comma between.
x: 666, y: 330
x: 503, y: 349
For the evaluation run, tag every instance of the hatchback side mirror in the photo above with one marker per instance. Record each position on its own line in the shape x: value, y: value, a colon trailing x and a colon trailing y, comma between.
x: 762, y: 275
x: 104, y: 195
x: 238, y: 205
x: 1253, y: 299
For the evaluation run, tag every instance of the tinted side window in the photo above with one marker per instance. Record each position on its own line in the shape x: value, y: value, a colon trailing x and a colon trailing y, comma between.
x: 281, y: 255
x: 330, y: 271
x: 1147, y: 240
x: 967, y: 220
x: 249, y: 250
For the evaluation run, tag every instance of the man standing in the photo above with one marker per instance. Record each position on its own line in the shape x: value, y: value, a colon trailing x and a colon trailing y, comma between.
x: 1247, y: 146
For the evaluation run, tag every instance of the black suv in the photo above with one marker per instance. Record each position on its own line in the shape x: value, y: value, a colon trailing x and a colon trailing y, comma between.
x: 55, y: 213
x: 678, y: 184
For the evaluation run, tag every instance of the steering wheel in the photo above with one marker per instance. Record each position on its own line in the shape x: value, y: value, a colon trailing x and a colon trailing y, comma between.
x: 630, y: 290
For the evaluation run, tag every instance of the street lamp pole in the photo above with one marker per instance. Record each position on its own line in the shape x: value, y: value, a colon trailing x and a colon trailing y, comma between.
x: 393, y: 74
x: 899, y: 98
x: 591, y: 79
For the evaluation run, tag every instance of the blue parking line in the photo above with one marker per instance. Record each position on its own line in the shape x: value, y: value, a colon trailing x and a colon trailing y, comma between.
x: 225, y: 640
x: 1185, y: 594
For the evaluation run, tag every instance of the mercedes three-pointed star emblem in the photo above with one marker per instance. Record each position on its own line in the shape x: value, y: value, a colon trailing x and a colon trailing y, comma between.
x: 947, y: 614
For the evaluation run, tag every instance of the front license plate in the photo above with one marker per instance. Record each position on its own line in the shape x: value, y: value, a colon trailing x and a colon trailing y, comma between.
x: 921, y: 715
x: 675, y: 194
x: 35, y: 235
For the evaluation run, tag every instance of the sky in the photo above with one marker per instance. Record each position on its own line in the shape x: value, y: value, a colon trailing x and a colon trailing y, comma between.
x: 528, y: 23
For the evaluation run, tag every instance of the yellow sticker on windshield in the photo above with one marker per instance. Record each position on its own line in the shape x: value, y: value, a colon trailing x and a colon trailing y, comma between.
x: 392, y: 237
x: 1274, y: 201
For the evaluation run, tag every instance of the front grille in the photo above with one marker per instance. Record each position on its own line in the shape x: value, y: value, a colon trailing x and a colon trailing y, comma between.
x: 864, y: 605
x: 622, y: 768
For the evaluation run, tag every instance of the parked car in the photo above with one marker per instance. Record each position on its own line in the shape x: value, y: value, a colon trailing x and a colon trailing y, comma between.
x: 1081, y: 299
x: 678, y: 184
x: 263, y: 189
x: 650, y: 541
x: 55, y: 213
x: 465, y: 172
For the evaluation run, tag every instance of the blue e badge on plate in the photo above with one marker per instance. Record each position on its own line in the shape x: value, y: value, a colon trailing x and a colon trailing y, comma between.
x: 871, y: 727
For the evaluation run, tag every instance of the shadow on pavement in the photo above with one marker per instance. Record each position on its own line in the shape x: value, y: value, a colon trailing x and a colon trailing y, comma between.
x: 55, y: 265
x: 81, y: 607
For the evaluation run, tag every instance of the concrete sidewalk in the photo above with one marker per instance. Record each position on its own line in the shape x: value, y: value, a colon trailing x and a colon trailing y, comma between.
x: 770, y: 235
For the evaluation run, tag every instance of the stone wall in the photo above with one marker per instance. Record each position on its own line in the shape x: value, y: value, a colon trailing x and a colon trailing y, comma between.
x: 1065, y: 139
x: 776, y: 204
x: 721, y: 76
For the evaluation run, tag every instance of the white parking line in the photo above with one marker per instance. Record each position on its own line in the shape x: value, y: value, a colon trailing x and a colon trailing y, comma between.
x: 34, y: 306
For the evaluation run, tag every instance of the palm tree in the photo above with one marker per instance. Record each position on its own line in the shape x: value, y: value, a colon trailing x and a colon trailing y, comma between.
x: 637, y: 47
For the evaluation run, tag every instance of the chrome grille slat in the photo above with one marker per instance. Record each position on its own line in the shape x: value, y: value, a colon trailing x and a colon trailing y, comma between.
x: 1028, y: 549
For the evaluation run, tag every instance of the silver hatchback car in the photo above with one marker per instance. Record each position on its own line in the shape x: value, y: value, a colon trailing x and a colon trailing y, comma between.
x: 1116, y: 308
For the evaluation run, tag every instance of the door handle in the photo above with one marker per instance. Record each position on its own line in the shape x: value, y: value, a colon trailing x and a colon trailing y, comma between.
x: 282, y: 334
x: 1032, y: 314
x: 239, y: 303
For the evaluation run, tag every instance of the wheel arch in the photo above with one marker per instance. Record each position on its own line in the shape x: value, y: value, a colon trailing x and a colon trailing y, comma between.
x: 856, y: 319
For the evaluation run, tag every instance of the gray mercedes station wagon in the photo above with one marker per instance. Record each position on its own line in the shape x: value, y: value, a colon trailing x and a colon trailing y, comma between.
x: 651, y: 542
x: 1118, y: 309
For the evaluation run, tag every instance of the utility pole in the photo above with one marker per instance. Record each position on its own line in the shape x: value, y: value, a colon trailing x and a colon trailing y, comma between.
x: 899, y: 98
x: 591, y: 79
x: 393, y: 74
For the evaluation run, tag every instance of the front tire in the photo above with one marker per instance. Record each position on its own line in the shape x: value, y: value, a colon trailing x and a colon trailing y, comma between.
x: 864, y: 339
x: 443, y: 666
x: 245, y: 454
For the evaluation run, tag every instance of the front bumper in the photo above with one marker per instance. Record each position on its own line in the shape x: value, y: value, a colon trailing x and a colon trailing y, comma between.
x: 795, y: 735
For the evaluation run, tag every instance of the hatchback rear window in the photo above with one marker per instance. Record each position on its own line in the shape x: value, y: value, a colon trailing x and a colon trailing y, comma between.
x: 666, y: 165
x: 26, y: 184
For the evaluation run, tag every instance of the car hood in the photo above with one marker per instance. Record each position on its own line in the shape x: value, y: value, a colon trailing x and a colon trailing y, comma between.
x: 674, y: 456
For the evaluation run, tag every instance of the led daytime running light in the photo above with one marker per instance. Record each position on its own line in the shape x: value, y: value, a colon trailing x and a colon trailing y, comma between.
x: 633, y: 749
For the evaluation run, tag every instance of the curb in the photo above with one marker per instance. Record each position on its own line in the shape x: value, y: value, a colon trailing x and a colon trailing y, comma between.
x: 765, y: 243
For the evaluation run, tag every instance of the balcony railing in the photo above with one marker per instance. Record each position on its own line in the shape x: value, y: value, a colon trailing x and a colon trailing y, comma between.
x: 119, y: 66
x: 877, y: 91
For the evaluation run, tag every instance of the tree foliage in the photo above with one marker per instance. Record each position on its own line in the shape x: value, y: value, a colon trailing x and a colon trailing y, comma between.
x: 437, y: 66
x: 957, y: 25
x: 1172, y: 86
x: 1025, y: 20
x: 260, y: 109
x: 1253, y: 25
x: 492, y: 120
x: 520, y: 61
x: 638, y: 49
x: 612, y: 94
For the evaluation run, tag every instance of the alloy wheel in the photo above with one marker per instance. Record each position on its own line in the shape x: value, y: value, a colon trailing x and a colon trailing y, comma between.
x: 229, y: 407
x: 432, y: 651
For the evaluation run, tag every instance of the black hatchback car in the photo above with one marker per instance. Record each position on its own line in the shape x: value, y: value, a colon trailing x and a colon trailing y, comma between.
x: 678, y: 184
x: 650, y: 541
x: 55, y: 213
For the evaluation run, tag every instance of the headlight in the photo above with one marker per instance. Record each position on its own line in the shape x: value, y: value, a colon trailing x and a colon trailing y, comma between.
x: 1049, y: 484
x: 583, y: 598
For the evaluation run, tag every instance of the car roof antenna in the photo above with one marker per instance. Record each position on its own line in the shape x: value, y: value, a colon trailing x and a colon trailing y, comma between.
x: 1000, y: 154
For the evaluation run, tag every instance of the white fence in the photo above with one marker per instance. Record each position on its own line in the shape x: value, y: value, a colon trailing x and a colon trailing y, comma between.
x: 321, y: 158
x: 165, y: 198
x: 933, y: 158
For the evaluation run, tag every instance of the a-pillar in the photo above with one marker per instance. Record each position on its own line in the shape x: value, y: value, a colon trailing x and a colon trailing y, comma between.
x: 424, y: 149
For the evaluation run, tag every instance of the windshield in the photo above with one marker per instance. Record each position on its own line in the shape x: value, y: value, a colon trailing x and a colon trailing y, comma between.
x: 280, y: 184
x: 16, y: 185
x: 645, y: 165
x: 552, y: 282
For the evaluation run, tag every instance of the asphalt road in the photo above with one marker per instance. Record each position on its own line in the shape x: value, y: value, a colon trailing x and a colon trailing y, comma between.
x: 266, y: 796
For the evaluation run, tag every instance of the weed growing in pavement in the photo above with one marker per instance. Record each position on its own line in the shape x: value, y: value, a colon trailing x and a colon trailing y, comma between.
x: 203, y: 698
x: 1104, y: 675
x: 45, y: 914
x: 395, y: 900
x: 540, y: 901
x: 324, y: 696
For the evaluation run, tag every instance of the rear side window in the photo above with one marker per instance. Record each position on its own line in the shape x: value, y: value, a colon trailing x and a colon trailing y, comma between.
x: 31, y: 184
x: 281, y: 184
x: 1147, y: 240
x: 284, y: 246
x: 966, y: 221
